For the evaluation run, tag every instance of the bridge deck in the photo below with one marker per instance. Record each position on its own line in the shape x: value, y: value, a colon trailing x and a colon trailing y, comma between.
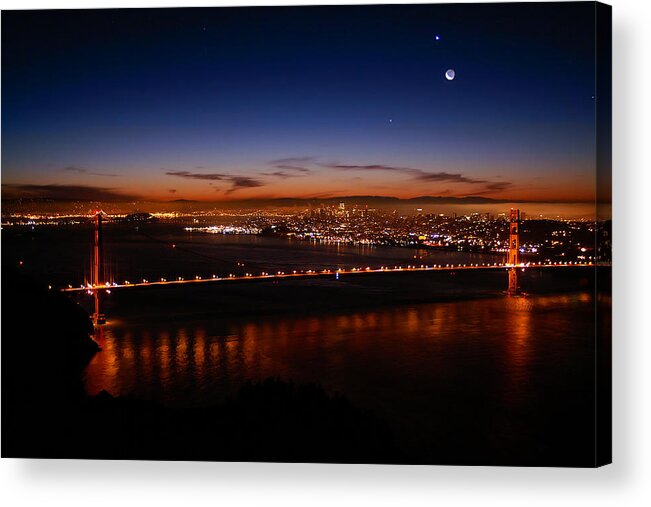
x: 316, y: 274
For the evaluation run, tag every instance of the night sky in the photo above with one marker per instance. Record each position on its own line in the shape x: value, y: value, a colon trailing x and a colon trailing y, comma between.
x: 217, y: 104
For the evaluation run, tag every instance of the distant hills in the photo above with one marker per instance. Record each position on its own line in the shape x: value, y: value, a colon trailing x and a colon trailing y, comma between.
x: 292, y: 201
x: 371, y: 200
x: 186, y: 205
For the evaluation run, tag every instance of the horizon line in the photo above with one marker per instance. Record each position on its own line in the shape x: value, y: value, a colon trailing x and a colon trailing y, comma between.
x: 487, y: 200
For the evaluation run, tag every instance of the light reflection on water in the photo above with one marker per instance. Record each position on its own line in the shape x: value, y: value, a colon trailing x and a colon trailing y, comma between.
x: 189, y: 364
x: 495, y: 369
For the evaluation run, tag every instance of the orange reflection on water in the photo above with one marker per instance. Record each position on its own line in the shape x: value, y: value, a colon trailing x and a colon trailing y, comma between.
x: 181, y: 356
x: 163, y: 354
x: 199, y: 352
x: 518, y: 328
x: 419, y: 351
x: 102, y: 373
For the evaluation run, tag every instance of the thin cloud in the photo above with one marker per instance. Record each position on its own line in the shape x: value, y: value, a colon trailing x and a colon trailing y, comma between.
x: 282, y: 174
x: 503, y: 185
x: 81, y: 170
x: 291, y: 160
x: 296, y: 164
x: 199, y: 176
x: 64, y: 193
x: 325, y: 195
x: 420, y: 175
x: 237, y: 182
x: 74, y: 169
x: 293, y: 168
x: 443, y: 176
x: 494, y: 187
x: 372, y: 167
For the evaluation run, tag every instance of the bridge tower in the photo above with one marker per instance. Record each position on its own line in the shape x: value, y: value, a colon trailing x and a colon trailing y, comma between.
x: 514, y: 251
x: 98, y: 271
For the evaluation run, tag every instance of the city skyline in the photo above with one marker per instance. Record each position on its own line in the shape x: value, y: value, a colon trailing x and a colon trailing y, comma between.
x: 244, y: 104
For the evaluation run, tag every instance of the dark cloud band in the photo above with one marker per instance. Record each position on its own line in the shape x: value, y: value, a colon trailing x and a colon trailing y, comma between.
x: 237, y: 182
x: 65, y: 193
x: 424, y: 176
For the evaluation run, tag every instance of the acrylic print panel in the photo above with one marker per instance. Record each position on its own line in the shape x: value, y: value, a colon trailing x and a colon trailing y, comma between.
x: 352, y: 234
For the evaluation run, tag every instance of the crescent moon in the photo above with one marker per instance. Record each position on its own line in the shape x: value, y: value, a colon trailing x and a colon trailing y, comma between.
x: 450, y: 74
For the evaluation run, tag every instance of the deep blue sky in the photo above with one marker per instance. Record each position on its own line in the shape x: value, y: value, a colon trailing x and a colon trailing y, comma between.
x: 277, y: 102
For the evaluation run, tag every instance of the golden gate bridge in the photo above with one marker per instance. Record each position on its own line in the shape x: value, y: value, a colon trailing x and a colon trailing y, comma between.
x: 97, y: 287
